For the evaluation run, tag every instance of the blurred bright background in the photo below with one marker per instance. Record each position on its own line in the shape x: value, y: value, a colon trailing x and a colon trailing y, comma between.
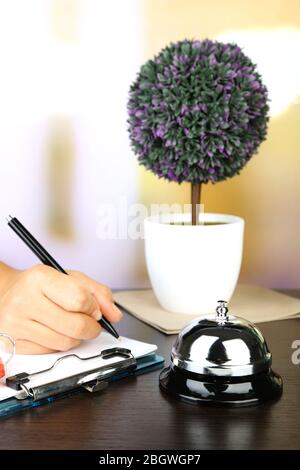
x: 66, y: 67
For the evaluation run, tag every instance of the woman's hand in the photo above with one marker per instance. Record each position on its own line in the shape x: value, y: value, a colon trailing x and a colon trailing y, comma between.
x: 45, y: 310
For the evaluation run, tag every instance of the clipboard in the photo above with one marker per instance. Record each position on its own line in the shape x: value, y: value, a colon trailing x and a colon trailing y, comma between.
x: 38, y: 388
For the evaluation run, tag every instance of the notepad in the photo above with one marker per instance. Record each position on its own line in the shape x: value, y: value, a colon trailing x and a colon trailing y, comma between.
x: 66, y: 368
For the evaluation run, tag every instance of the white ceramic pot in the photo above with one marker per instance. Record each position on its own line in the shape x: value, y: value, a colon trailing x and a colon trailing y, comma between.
x: 192, y: 267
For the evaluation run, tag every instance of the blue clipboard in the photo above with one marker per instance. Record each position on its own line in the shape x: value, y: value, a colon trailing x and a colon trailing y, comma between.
x: 93, y: 380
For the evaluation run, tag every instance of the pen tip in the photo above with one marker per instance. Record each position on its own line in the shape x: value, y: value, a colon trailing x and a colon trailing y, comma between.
x: 8, y: 218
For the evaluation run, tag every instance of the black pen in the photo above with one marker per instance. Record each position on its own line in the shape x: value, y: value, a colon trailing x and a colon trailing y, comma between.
x: 47, y: 259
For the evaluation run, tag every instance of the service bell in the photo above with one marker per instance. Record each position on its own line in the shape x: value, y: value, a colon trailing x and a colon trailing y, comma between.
x: 221, y: 359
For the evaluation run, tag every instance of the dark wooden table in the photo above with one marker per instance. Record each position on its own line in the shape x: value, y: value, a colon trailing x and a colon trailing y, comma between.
x: 134, y: 414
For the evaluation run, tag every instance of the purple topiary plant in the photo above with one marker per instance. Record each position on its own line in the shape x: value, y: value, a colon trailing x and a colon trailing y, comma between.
x: 197, y: 113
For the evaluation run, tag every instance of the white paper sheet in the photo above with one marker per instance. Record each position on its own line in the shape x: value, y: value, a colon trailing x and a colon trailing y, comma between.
x: 35, y: 363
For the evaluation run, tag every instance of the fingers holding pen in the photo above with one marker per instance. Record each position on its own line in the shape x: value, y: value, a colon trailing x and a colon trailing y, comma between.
x: 45, y: 310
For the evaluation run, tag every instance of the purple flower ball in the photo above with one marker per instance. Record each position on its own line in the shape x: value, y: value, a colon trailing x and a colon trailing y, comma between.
x: 197, y: 111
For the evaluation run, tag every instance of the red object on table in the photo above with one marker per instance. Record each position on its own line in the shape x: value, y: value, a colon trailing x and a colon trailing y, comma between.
x: 2, y: 370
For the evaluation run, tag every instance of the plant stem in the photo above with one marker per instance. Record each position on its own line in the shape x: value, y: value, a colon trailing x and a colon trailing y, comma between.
x: 195, y: 199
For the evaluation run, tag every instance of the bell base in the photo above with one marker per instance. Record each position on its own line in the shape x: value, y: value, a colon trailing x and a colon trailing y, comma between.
x: 229, y: 391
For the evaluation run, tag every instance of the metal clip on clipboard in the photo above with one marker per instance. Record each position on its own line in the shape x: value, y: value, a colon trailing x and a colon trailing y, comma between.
x: 92, y: 380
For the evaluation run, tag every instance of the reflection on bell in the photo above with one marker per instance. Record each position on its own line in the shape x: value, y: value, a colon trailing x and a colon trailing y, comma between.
x: 221, y: 359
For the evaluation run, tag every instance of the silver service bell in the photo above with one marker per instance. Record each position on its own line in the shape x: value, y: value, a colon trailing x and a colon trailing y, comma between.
x: 221, y: 359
